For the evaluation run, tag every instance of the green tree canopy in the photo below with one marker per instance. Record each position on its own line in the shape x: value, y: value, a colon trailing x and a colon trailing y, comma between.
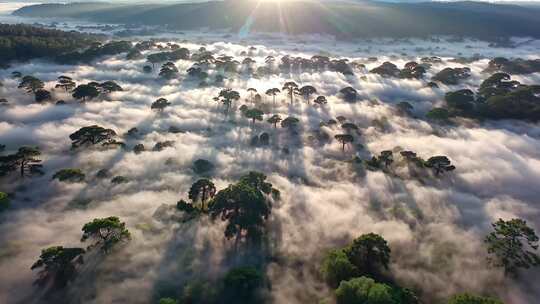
x: 274, y: 119
x: 71, y: 175
x: 25, y: 160
x: 241, y: 284
x: 91, y: 135
x: 364, y: 290
x: 244, y: 206
x: 160, y: 104
x: 85, y: 91
x: 466, y: 298
x: 369, y: 253
x: 513, y: 245
x: 254, y: 114
x: 31, y: 84
x: 58, y: 265
x: 105, y: 233
x: 336, y: 267
x: 202, y: 190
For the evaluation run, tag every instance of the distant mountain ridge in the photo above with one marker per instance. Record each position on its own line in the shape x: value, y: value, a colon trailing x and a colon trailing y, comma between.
x: 342, y: 19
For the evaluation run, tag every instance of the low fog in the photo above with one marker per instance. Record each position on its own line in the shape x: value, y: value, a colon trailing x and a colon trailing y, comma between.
x: 435, y: 227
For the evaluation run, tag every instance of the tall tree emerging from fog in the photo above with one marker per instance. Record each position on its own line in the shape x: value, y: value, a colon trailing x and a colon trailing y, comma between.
x: 274, y: 120
x: 31, y: 84
x: 369, y: 253
x: 245, y: 206
x: 25, y: 160
x: 105, y: 232
x: 202, y: 190
x: 227, y: 96
x: 273, y: 92
x: 66, y: 83
x: 307, y: 91
x: 57, y: 266
x: 513, y: 245
x: 85, y: 91
x: 292, y: 89
x: 160, y: 104
x: 91, y: 135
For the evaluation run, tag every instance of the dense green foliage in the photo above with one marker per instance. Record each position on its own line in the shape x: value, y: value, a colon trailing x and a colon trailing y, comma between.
x: 364, y: 290
x: 244, y: 206
x: 69, y: 175
x: 105, y: 232
x: 25, y: 160
x: 513, y: 245
x: 23, y: 42
x: 498, y: 97
x: 58, y: 265
x: 472, y: 299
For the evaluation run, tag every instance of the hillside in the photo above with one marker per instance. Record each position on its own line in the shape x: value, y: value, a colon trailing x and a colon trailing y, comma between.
x: 343, y: 19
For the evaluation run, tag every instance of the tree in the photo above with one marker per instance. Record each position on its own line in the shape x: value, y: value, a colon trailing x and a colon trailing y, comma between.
x: 307, y: 91
x: 364, y: 290
x: 168, y: 71
x: 452, y: 76
x: 344, y: 139
x: 461, y: 100
x: 273, y: 92
x: 292, y: 89
x: 349, y: 126
x: 85, y: 91
x: 412, y: 70
x: 336, y: 267
x: 241, y: 284
x: 254, y: 114
x: 386, y: 69
x: 252, y: 91
x: 91, y: 135
x: 438, y: 114
x: 202, y: 189
x: 320, y: 100
x: 290, y: 122
x: 69, y: 175
x: 439, y: 164
x: 110, y: 86
x: 58, y: 265
x: 386, y: 158
x: 244, y: 206
x: 227, y: 96
x: 42, y: 95
x: 275, y: 119
x: 31, y: 84
x: 466, y: 298
x: 105, y: 232
x: 66, y: 83
x: 369, y: 253
x: 349, y: 94
x: 513, y: 245
x: 156, y: 58
x: 202, y: 166
x: 160, y: 104
x: 25, y: 160
x: 404, y: 108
